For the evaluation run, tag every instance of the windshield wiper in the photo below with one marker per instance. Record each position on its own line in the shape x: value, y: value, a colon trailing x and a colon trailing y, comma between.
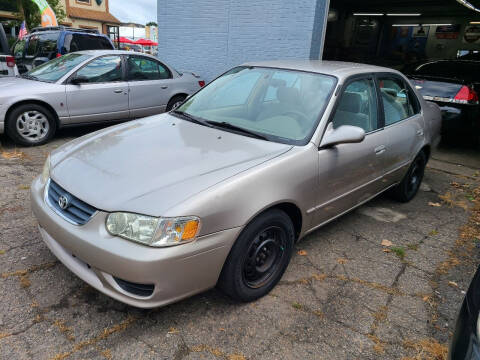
x: 191, y: 118
x: 28, y: 77
x: 226, y: 125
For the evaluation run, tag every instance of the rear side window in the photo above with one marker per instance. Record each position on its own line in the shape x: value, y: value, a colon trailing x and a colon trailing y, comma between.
x: 80, y: 42
x: 43, y: 45
x: 399, y: 101
x: 19, y: 49
x: 142, y: 68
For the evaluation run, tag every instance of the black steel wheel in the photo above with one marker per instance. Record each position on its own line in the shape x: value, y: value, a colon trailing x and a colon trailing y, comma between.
x: 408, y: 188
x: 259, y: 257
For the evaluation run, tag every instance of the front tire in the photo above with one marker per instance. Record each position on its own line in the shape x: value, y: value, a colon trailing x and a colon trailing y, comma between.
x: 408, y: 188
x: 31, y: 125
x: 259, y: 257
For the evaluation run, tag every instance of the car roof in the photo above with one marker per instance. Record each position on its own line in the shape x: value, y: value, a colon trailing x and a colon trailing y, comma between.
x: 110, y: 52
x: 339, y: 69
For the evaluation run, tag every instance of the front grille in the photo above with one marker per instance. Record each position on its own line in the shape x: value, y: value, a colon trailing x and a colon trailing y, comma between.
x: 134, y: 288
x: 77, y: 212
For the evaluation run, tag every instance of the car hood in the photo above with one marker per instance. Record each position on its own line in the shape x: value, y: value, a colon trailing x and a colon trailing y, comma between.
x: 150, y: 165
x: 11, y: 86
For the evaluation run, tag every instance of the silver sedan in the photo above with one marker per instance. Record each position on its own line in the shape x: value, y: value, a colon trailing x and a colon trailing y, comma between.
x: 89, y: 87
x: 217, y: 191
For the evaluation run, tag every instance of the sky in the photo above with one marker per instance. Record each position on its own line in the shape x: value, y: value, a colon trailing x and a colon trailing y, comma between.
x: 137, y: 11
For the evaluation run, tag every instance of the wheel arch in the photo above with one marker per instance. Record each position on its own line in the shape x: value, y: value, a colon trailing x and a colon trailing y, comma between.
x: 293, y: 212
x: 427, y: 150
x: 32, y: 101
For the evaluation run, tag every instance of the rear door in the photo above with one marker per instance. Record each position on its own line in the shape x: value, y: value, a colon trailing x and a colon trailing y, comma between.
x: 404, y: 124
x: 150, y: 84
x: 104, y: 95
x: 350, y: 174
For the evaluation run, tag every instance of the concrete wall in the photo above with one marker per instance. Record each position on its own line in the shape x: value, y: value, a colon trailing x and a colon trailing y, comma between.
x: 211, y: 36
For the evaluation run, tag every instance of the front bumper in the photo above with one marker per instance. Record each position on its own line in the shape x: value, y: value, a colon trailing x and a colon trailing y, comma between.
x: 97, y: 257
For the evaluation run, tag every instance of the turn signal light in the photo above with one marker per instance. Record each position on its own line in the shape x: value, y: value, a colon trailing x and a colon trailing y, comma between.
x: 201, y: 83
x: 10, y: 61
x: 466, y: 95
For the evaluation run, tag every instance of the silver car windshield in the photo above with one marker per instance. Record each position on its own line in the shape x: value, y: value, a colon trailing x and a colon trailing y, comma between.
x: 280, y: 105
x: 57, y: 68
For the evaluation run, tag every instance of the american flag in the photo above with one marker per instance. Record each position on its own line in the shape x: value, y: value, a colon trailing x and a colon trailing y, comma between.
x: 23, y: 31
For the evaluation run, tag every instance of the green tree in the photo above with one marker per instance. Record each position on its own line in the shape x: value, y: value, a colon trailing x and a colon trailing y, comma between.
x: 152, y: 23
x: 30, y: 12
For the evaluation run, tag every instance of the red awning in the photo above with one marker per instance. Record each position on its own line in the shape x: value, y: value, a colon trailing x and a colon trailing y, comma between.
x: 145, y: 42
x: 125, y: 40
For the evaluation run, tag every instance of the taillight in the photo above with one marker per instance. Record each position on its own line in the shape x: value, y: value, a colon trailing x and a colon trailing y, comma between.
x: 10, y: 61
x: 59, y: 55
x: 201, y: 83
x: 466, y: 95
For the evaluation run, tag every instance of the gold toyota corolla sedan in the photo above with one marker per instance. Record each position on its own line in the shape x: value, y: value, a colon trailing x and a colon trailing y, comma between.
x: 217, y: 191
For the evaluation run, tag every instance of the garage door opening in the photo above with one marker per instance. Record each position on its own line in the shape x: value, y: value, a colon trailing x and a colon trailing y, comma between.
x: 406, y: 34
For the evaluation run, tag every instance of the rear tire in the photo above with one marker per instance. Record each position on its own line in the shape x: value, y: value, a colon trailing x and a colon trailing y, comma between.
x: 31, y: 125
x: 175, y: 102
x: 259, y: 257
x: 408, y: 188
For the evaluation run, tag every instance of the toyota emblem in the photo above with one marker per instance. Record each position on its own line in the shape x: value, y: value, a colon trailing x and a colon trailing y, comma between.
x: 63, y: 202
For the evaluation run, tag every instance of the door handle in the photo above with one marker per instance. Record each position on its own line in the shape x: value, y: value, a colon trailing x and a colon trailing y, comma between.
x: 420, y: 132
x: 380, y: 149
x: 118, y: 91
x: 164, y: 87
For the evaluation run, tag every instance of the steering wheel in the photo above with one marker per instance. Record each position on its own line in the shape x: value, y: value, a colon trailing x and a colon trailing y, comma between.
x: 299, y: 117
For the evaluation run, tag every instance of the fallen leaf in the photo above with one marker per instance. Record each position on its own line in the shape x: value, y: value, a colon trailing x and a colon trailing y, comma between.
x: 453, y: 284
x: 173, y: 331
x: 221, y: 329
x: 434, y: 204
x: 2, y: 252
x: 387, y: 250
x: 302, y: 253
x: 24, y: 187
x: 319, y: 276
x: 386, y: 242
x: 342, y: 261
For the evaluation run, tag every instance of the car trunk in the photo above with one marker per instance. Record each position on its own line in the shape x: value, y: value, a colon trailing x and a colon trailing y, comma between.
x: 441, y: 88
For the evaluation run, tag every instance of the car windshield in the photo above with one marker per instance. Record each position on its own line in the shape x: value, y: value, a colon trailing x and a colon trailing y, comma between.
x: 277, y: 104
x: 55, y: 69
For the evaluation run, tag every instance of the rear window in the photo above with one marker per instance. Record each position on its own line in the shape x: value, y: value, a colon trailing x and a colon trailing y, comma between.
x: 42, y: 45
x: 450, y: 69
x: 80, y: 42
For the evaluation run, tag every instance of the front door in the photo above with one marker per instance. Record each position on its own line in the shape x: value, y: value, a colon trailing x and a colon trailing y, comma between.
x: 352, y: 173
x: 103, y: 93
x: 149, y: 81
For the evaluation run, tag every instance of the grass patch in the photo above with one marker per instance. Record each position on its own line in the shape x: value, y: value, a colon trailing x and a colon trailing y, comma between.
x: 297, y: 306
x: 412, y: 247
x: 399, y: 251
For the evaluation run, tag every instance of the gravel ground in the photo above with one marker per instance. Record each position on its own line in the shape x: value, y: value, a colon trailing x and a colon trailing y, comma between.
x: 384, y: 281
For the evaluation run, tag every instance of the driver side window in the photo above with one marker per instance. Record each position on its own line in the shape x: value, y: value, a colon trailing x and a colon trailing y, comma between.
x: 103, y: 69
x: 358, y: 106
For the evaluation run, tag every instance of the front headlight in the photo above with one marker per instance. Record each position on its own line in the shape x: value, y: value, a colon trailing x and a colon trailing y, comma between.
x: 46, y: 170
x: 152, y: 231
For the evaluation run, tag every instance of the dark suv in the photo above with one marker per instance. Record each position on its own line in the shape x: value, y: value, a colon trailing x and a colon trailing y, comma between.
x: 44, y: 44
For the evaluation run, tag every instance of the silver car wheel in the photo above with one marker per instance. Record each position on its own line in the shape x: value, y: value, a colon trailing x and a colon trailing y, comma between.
x: 32, y: 125
x: 176, y: 104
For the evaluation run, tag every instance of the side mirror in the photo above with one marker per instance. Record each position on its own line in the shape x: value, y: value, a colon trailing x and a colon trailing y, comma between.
x: 78, y: 80
x: 39, y: 61
x: 344, y: 134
